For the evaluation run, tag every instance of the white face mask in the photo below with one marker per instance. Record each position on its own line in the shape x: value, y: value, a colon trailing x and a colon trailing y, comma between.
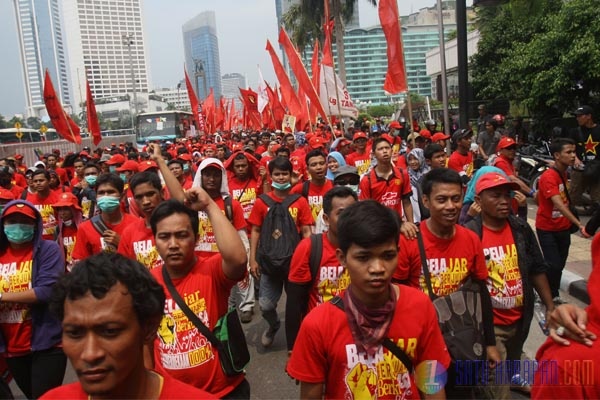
x: 68, y: 222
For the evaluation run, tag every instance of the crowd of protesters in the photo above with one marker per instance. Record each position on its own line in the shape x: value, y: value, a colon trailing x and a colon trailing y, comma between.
x: 75, y: 229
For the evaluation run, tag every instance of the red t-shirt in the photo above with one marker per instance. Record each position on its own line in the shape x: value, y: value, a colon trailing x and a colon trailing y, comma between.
x: 362, y: 162
x: 325, y: 352
x: 450, y: 261
x: 15, y: 318
x: 331, y: 278
x: 90, y: 242
x: 504, y: 278
x: 17, y: 191
x: 461, y: 163
x: 19, y: 180
x: 69, y: 237
x: 137, y: 243
x: 179, y: 348
x: 298, y: 163
x: 549, y: 218
x: 245, y: 192
x: 505, y: 165
x: 75, y: 181
x: 170, y: 389
x: 206, y: 245
x: 315, y: 195
x: 62, y: 175
x: 46, y: 209
x: 388, y: 192
x: 299, y: 210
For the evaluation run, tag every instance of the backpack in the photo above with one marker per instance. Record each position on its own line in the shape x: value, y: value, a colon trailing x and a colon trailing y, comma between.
x: 305, y: 188
x: 278, y: 237
x: 228, y: 208
x: 316, y: 252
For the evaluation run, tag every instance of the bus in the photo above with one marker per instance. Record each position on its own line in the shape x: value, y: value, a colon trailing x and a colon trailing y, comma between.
x: 163, y: 125
x: 11, y: 135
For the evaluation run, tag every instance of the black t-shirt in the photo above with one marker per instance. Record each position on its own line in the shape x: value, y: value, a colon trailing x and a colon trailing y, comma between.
x: 587, y: 142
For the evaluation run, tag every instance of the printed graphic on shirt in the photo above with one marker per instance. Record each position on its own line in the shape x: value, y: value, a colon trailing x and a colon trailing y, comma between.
x: 146, y: 254
x: 69, y: 245
x: 86, y: 205
x: 316, y: 205
x: 381, y: 375
x: 446, y: 274
x: 362, y: 166
x: 504, y: 282
x: 182, y: 346
x: 332, y: 281
x: 15, y: 277
x: 206, y: 235
x: 48, y: 219
x: 246, y: 199
x: 391, y: 199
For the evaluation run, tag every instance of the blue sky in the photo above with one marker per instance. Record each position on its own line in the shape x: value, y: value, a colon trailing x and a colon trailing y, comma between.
x: 243, y: 26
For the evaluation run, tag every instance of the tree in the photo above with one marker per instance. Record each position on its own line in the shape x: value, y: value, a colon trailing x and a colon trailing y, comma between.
x: 545, y: 58
x: 3, y: 124
x: 304, y: 21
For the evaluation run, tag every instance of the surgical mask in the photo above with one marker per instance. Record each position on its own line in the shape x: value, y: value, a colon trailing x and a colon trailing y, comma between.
x: 281, y: 186
x: 186, y: 167
x: 123, y: 177
x: 112, y: 168
x: 19, y: 233
x: 68, y: 222
x: 91, y: 180
x: 108, y: 203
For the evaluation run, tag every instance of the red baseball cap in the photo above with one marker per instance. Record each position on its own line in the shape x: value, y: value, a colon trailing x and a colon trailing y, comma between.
x: 395, y: 125
x: 388, y: 138
x: 67, y: 199
x: 116, y: 159
x: 20, y: 208
x: 316, y: 141
x: 185, y: 157
x: 492, y: 180
x: 359, y: 135
x: 439, y: 136
x: 18, y: 156
x: 506, y: 142
x: 425, y: 133
x: 128, y: 165
x: 143, y: 166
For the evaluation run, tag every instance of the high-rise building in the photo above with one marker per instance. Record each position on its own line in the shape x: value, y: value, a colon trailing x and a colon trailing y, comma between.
x: 201, y: 51
x: 41, y: 47
x: 231, y: 87
x: 177, y: 96
x: 105, y: 42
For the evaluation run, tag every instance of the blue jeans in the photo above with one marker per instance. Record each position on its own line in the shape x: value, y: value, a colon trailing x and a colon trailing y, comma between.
x: 555, y: 246
x: 271, y: 288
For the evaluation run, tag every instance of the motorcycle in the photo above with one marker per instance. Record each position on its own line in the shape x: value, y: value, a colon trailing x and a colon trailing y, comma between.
x: 531, y: 168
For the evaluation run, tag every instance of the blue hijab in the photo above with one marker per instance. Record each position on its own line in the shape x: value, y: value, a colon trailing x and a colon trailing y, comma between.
x: 339, y: 158
x: 470, y: 194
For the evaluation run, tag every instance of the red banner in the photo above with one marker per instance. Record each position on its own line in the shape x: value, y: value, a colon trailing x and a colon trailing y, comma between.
x: 195, y: 105
x: 395, y: 79
x: 287, y: 91
x: 63, y: 124
x: 250, y: 99
x: 92, y: 117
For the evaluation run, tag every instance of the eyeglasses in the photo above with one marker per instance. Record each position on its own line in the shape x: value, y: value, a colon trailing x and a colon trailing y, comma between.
x: 347, y: 181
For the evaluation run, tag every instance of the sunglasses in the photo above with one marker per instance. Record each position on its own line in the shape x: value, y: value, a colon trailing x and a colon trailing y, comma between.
x: 347, y: 181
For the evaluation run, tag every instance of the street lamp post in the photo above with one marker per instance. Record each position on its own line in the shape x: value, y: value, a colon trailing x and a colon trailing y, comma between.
x: 128, y: 41
x: 463, y: 71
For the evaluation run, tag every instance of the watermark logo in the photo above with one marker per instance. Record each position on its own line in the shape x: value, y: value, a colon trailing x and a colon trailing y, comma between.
x: 430, y: 376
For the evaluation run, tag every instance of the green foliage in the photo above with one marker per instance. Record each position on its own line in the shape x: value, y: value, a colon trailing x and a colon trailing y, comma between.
x: 3, y: 123
x: 383, y: 110
x: 542, y: 55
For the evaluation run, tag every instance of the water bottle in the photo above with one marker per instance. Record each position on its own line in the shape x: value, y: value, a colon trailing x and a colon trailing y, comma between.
x: 540, y: 314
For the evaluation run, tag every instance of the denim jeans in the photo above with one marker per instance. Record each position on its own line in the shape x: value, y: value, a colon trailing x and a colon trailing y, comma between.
x: 555, y: 246
x: 243, y: 294
x: 271, y: 288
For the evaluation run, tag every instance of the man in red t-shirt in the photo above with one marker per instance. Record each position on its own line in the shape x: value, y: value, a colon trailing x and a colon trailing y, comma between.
x: 43, y: 199
x: 103, y: 232
x: 554, y: 219
x: 51, y: 164
x: 515, y: 266
x: 507, y: 150
x: 453, y: 252
x: 245, y: 179
x: 387, y: 184
x: 105, y: 291
x: 360, y: 158
x: 271, y: 286
x: 305, y: 291
x: 341, y: 354
x: 314, y: 189
x: 461, y: 160
x: 180, y: 349
x: 176, y: 168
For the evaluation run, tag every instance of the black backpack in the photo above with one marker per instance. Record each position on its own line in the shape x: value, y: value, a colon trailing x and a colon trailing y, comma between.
x: 278, y: 237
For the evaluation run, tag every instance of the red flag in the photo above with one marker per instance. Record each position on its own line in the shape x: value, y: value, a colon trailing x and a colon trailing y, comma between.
x: 92, y: 117
x: 314, y: 66
x: 220, y: 114
x: 287, y: 91
x: 63, y: 124
x: 232, y: 114
x: 250, y: 99
x: 327, y: 53
x: 195, y: 105
x: 300, y: 72
x: 306, y: 117
x: 208, y: 106
x: 395, y: 79
x: 276, y: 107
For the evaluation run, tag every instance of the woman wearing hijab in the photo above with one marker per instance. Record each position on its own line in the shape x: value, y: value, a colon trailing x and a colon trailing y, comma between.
x: 334, y: 161
x: 417, y: 167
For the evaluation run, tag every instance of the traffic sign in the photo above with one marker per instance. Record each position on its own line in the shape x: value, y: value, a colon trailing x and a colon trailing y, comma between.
x: 43, y: 129
x: 17, y: 125
x: 19, y: 135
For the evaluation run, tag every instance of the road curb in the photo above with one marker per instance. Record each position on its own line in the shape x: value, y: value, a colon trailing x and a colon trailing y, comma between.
x: 575, y: 286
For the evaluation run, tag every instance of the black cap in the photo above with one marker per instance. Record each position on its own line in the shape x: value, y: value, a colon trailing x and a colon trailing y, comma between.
x: 461, y: 134
x: 583, y: 110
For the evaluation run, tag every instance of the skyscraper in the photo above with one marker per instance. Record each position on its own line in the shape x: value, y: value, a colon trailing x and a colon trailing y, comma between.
x: 231, y: 87
x: 201, y: 51
x: 106, y: 42
x: 41, y: 46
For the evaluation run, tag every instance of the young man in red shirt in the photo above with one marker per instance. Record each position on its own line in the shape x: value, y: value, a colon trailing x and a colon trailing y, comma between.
x: 245, y: 180
x: 105, y: 329
x: 305, y: 291
x: 180, y: 349
x: 271, y: 286
x: 112, y: 221
x: 554, y: 219
x: 387, y: 184
x: 314, y: 189
x: 360, y: 158
x: 461, y: 160
x: 340, y: 352
x: 43, y: 200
